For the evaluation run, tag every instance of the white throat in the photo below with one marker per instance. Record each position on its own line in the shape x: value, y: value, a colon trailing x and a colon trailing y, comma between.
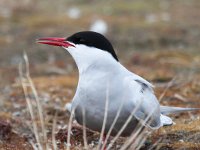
x: 88, y: 58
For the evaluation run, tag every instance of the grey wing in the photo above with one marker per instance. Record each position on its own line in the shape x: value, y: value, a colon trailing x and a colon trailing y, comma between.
x: 145, y: 105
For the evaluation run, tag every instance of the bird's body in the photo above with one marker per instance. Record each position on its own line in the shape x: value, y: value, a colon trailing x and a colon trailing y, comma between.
x: 106, y: 86
x: 103, y: 81
x: 86, y: 99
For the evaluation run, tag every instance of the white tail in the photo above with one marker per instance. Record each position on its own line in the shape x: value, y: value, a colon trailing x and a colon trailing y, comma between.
x: 171, y: 110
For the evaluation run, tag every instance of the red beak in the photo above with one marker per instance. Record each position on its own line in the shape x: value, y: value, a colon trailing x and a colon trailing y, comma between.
x: 55, y: 41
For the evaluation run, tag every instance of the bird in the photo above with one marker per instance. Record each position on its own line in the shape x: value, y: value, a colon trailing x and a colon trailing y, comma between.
x: 107, y: 93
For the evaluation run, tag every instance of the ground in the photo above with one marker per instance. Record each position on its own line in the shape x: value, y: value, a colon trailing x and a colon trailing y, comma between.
x: 158, y: 40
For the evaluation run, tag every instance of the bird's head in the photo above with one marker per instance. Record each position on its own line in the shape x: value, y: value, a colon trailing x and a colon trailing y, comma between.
x: 86, y: 47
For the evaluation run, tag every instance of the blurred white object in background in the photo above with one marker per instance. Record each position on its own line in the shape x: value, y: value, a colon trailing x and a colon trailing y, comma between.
x: 99, y: 26
x: 151, y: 18
x: 74, y: 13
x: 4, y: 12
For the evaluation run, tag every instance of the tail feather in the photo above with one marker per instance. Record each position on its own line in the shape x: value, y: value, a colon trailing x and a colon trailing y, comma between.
x: 165, y: 120
x: 170, y: 110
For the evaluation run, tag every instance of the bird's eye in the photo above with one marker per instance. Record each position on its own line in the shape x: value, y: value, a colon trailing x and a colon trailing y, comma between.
x: 80, y: 40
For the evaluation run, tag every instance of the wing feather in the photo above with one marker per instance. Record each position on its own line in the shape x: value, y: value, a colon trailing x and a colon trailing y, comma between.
x: 144, y: 101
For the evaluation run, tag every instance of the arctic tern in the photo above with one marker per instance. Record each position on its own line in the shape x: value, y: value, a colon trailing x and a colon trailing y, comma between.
x: 106, y: 85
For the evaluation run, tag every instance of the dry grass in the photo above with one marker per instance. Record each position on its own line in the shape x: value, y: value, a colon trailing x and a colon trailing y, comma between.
x: 135, y: 141
x: 172, y: 50
x: 27, y: 83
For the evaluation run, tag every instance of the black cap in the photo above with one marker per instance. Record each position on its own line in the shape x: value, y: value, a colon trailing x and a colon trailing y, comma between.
x: 93, y: 39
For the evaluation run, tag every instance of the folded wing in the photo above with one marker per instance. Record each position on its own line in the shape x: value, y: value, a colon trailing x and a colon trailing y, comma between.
x: 144, y: 103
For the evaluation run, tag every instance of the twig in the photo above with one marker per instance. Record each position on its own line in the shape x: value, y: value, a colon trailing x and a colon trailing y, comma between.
x: 167, y: 88
x: 53, y: 132
x: 37, y: 100
x: 69, y: 129
x: 105, y: 117
x: 138, y: 142
x: 124, y: 126
x: 112, y: 126
x: 30, y: 108
x: 84, y: 130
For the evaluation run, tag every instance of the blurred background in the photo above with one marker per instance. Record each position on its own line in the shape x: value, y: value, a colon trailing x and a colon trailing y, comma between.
x: 157, y: 39
x: 132, y: 26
